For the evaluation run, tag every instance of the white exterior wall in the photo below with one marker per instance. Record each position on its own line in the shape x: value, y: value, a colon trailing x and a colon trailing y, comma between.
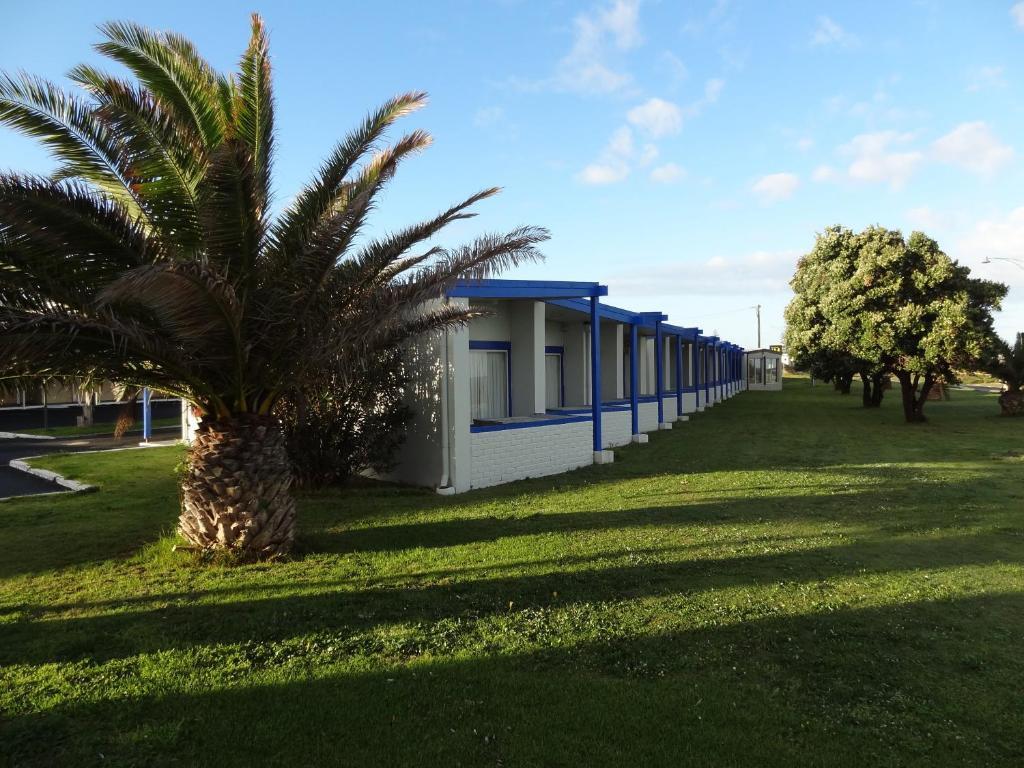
x: 648, y: 417
x: 669, y: 409
x: 527, y: 337
x: 612, y: 351
x: 189, y: 423
x: 421, y: 459
x: 505, y: 455
x: 689, y: 402
x: 554, y: 333
x: 615, y: 428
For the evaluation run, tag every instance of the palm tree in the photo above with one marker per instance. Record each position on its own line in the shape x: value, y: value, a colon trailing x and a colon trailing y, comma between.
x: 153, y: 257
x: 1006, y: 363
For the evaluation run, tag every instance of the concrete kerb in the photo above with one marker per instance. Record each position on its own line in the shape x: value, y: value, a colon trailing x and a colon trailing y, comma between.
x: 69, y: 486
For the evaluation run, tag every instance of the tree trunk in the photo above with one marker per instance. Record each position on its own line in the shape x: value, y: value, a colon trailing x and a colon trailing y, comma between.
x: 878, y: 391
x: 1011, y: 402
x: 868, y: 394
x: 844, y: 382
x: 236, y: 493
x: 913, y: 398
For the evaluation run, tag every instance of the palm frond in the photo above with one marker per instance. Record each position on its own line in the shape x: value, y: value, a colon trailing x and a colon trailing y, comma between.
x: 168, y: 159
x: 69, y: 127
x: 60, y: 242
x: 320, y: 197
x: 231, y: 214
x: 173, y: 71
x: 254, y: 112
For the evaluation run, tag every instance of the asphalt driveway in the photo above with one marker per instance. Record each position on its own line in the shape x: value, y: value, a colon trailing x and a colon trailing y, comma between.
x: 15, y: 483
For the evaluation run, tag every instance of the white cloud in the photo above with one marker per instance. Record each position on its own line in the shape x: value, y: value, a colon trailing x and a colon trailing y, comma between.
x: 973, y: 146
x: 675, y: 67
x: 1017, y: 12
x: 875, y: 159
x: 761, y: 273
x: 614, y: 163
x: 804, y: 143
x: 1000, y: 239
x: 985, y: 78
x: 828, y: 32
x: 597, y: 174
x: 648, y: 154
x: 712, y: 89
x: 622, y: 20
x: 668, y: 173
x: 488, y: 116
x: 776, y: 187
x: 825, y: 173
x: 1001, y: 236
x: 586, y: 68
x: 657, y: 117
x: 924, y: 217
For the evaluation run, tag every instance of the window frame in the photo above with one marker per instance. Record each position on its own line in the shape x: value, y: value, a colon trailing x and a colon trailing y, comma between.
x: 496, y: 346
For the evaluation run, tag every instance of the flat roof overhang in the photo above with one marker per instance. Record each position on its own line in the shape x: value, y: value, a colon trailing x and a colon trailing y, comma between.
x: 690, y: 334
x: 544, y: 290
x: 615, y: 314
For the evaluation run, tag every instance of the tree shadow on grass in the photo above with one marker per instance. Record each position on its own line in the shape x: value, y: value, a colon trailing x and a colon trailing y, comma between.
x: 856, y: 504
x: 341, y: 609
x: 922, y: 683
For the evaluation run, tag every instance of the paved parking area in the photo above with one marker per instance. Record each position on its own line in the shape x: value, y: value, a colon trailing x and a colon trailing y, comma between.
x: 15, y: 483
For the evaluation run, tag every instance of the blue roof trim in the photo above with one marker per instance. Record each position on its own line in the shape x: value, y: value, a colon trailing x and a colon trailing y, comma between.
x: 609, y: 312
x: 529, y: 424
x: 605, y: 408
x: 526, y: 289
x: 503, y: 346
x: 690, y: 334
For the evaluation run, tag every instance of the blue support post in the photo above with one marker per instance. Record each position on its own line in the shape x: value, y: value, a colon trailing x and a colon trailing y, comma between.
x: 147, y: 416
x: 659, y: 371
x: 595, y: 370
x: 707, y: 381
x: 695, y: 362
x: 679, y: 375
x: 718, y: 371
x: 634, y: 378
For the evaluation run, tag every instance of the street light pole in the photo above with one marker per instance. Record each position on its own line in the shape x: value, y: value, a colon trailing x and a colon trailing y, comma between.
x: 1019, y: 263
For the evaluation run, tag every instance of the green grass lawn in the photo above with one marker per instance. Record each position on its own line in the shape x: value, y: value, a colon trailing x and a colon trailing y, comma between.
x: 784, y: 580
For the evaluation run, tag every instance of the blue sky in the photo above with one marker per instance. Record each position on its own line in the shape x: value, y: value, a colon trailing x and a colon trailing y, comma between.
x: 684, y: 153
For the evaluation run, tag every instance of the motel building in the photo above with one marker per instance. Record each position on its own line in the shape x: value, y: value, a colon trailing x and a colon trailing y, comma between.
x: 549, y: 380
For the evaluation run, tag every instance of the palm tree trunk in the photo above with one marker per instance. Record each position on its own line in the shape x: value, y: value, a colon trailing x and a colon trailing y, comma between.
x: 236, y: 493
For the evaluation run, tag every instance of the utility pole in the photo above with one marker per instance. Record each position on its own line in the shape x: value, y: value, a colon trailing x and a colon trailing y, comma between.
x: 758, y: 308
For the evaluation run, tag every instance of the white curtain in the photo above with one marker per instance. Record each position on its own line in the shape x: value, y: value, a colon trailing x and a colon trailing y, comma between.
x: 488, y: 384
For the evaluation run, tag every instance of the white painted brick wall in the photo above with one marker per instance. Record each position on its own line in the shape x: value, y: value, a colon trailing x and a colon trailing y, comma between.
x: 669, y: 408
x: 515, y: 454
x: 648, y: 417
x: 689, y: 402
x: 615, y: 428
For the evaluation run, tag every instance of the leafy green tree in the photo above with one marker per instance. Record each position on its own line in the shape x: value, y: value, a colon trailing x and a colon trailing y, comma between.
x: 352, y: 418
x: 154, y: 257
x: 913, y: 311
x: 815, y: 320
x: 1006, y: 363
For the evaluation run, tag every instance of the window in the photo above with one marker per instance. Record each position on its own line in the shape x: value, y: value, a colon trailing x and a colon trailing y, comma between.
x: 771, y: 370
x: 553, y: 390
x: 489, y: 379
x: 648, y: 377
